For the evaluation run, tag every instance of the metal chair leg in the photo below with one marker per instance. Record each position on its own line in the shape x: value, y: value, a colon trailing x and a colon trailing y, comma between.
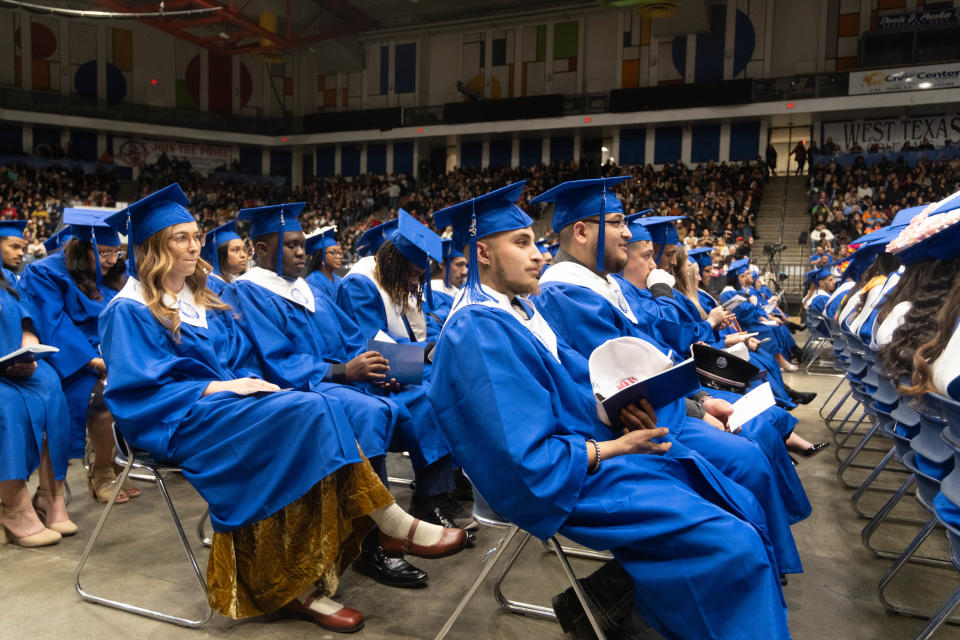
x: 201, y: 533
x: 867, y: 485
x: 836, y: 409
x: 829, y: 397
x: 149, y: 613
x: 579, y: 552
x: 895, y: 569
x: 941, y: 616
x: 521, y: 608
x: 838, y: 430
x: 489, y: 563
x: 581, y: 596
x: 848, y: 434
x: 871, y: 527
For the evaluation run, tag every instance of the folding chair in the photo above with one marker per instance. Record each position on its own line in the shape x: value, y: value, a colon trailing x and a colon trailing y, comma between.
x: 485, y: 515
x: 141, y: 460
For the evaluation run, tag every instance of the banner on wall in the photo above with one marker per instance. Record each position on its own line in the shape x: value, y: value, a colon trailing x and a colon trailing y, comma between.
x: 914, y: 19
x: 891, y: 133
x: 140, y: 152
x: 934, y: 76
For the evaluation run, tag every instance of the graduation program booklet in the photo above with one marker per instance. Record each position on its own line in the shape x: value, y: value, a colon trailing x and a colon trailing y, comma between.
x: 750, y: 406
x: 406, y: 360
x: 734, y: 302
x: 659, y: 390
x: 29, y: 353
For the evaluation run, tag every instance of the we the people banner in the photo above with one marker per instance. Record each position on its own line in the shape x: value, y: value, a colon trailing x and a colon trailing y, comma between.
x: 922, y: 78
x: 140, y: 152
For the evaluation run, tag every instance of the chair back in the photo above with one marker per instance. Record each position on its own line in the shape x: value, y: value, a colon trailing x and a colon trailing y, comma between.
x: 485, y: 514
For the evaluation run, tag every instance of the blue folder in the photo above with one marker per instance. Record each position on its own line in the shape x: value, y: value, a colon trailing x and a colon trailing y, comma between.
x: 406, y: 360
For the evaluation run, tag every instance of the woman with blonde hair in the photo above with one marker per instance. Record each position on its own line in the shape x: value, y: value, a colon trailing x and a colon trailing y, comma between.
x: 291, y: 496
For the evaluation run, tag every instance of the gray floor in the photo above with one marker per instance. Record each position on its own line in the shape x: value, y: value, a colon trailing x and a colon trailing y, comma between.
x: 139, y: 560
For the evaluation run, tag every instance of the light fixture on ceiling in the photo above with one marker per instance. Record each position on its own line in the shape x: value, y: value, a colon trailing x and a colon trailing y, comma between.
x: 604, y: 149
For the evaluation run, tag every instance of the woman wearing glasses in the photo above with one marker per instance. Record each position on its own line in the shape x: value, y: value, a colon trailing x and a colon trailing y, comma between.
x: 325, y: 258
x: 227, y: 253
x: 64, y: 294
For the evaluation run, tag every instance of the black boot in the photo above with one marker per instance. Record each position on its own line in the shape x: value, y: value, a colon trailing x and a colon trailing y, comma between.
x: 796, y: 353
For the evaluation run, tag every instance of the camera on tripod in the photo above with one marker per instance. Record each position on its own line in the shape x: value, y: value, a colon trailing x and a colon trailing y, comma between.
x: 773, y: 249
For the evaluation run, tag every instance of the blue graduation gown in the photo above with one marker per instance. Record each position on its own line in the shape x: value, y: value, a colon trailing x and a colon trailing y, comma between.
x: 324, y: 284
x: 31, y: 408
x: 215, y: 283
x: 359, y: 297
x: 759, y: 461
x: 815, y: 310
x: 749, y: 316
x: 436, y: 308
x: 248, y: 456
x: 64, y: 317
x: 694, y: 543
x: 297, y: 348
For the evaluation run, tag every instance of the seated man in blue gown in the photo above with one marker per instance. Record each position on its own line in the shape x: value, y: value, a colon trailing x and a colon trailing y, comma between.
x: 692, y: 545
x: 585, y: 306
x: 448, y: 277
x: 306, y: 342
x: 824, y: 284
x: 384, y: 294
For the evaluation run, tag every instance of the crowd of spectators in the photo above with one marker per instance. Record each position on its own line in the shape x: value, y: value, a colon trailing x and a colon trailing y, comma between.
x: 847, y: 202
x: 829, y: 147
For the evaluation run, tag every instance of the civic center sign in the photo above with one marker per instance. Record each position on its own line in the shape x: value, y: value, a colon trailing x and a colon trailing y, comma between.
x: 936, y: 76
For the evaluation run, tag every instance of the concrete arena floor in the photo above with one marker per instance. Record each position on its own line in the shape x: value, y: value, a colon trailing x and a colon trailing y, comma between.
x: 140, y: 560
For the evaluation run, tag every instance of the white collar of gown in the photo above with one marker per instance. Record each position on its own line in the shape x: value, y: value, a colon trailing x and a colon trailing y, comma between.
x: 296, y: 291
x: 532, y: 320
x: 572, y: 273
x: 190, y: 311
x: 395, y: 325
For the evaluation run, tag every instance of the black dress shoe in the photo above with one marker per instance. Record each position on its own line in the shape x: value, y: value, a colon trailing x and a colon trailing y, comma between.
x: 392, y: 572
x: 438, y: 510
x: 463, y: 491
x: 814, y: 449
x: 783, y: 580
x: 801, y: 397
x: 795, y: 462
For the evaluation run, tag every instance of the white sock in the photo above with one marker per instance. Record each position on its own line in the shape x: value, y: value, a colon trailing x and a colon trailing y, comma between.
x: 321, y: 604
x: 395, y: 522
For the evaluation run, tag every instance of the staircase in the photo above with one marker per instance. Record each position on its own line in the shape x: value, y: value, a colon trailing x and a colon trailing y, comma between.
x: 796, y: 222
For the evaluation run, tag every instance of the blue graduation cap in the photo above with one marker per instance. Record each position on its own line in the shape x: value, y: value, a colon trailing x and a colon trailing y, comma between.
x: 480, y: 217
x: 943, y: 241
x: 579, y: 199
x: 89, y: 225
x: 809, y: 276
x: 702, y: 256
x: 373, y: 237
x: 449, y: 253
x: 216, y: 237
x: 321, y: 242
x: 12, y: 228
x: 949, y: 203
x: 542, y: 246
x: 416, y: 241
x: 662, y: 230
x: 739, y: 267
x: 554, y: 249
x: 822, y: 274
x: 638, y: 232
x: 904, y: 216
x: 273, y: 218
x: 143, y: 218
x: 55, y: 242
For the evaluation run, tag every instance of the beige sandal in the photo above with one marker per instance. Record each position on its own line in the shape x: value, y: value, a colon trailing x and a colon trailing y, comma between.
x: 65, y: 527
x: 101, y: 482
x: 41, y: 539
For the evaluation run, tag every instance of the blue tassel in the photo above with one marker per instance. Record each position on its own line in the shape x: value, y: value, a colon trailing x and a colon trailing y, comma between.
x: 131, y: 258
x: 474, y: 290
x: 96, y: 257
x: 428, y: 290
x: 280, y: 245
x: 602, y: 230
x: 215, y: 261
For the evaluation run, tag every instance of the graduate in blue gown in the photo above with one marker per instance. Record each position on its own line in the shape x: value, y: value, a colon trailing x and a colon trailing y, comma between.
x: 185, y: 384
x: 824, y: 284
x: 386, y: 293
x: 65, y: 293
x: 305, y: 341
x: 447, y: 278
x: 324, y: 258
x: 12, y: 247
x: 586, y: 309
x: 225, y: 252
x: 34, y: 434
x: 693, y: 543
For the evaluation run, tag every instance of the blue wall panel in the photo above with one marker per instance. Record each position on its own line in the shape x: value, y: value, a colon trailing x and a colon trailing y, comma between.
x: 500, y: 153
x: 405, y: 68
x: 84, y: 143
x: 666, y: 147
x: 281, y: 162
x: 251, y: 160
x: 403, y: 157
x: 471, y: 154
x: 349, y: 160
x: 704, y: 142
x: 561, y: 148
x: 11, y: 138
x: 633, y: 146
x: 744, y: 141
x: 531, y: 152
x: 377, y: 159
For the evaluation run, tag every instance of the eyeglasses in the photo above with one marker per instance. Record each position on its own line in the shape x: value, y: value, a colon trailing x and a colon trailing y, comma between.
x: 183, y: 239
x: 619, y: 224
x: 334, y: 253
x: 112, y: 253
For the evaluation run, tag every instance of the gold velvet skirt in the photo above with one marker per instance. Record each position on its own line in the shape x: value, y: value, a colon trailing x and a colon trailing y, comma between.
x: 262, y: 566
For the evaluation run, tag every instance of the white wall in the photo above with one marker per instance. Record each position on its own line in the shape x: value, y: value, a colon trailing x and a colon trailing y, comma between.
x: 153, y: 56
x: 795, y: 41
x: 601, y: 41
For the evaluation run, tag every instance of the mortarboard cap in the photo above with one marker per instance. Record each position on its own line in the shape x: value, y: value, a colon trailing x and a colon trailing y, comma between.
x: 273, y: 218
x: 739, y: 267
x: 89, y: 225
x: 56, y: 241
x: 449, y: 253
x: 638, y: 232
x: 373, y: 237
x: 480, y: 217
x: 12, y: 228
x: 415, y: 241
x: 702, y: 256
x: 143, y: 218
x: 554, y: 249
x: 216, y: 237
x: 579, y: 199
